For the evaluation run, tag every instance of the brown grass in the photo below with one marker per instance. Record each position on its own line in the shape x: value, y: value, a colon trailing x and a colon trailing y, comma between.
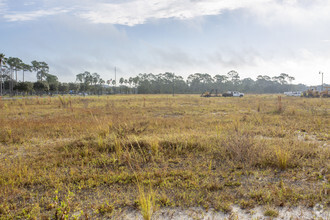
x: 80, y: 157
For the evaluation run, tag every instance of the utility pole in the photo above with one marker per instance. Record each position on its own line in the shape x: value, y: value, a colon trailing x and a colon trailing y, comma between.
x: 173, y: 83
x: 11, y: 82
x: 0, y: 82
x: 115, y: 79
x: 322, y: 81
x: 1, y: 75
x: 115, y: 76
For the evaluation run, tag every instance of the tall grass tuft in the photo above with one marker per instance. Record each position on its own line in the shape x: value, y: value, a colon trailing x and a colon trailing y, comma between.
x: 279, y: 104
x: 63, y: 101
x: 146, y: 201
x: 154, y: 147
x: 282, y: 158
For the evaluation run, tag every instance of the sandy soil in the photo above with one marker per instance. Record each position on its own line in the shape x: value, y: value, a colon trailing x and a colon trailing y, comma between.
x: 318, y: 212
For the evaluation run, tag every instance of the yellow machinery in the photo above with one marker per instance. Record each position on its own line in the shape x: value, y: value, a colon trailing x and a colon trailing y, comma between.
x: 311, y: 93
x: 325, y: 93
x: 209, y: 94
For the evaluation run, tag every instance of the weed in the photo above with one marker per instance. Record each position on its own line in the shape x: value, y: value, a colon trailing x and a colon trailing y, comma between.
x: 282, y: 158
x: 271, y: 212
x: 63, y: 207
x: 105, y: 209
x: 146, y: 202
x: 223, y: 206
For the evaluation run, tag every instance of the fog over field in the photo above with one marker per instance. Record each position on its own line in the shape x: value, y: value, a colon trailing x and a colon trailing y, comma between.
x: 257, y: 37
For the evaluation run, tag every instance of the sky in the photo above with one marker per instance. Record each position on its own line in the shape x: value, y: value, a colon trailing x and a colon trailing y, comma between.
x: 252, y: 37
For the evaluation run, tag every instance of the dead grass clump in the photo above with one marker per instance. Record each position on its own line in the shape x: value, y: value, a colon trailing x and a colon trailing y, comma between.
x: 275, y: 157
x: 271, y: 212
x: 282, y: 157
x: 214, y: 186
x: 223, y: 206
x: 181, y: 148
x: 240, y: 148
x: 290, y: 154
x: 125, y: 129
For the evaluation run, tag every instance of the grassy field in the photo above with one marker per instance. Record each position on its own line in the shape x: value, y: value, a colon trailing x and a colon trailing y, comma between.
x: 91, y: 157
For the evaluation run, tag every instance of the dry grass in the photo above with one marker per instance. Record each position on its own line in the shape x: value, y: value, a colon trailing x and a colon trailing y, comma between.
x: 75, y: 157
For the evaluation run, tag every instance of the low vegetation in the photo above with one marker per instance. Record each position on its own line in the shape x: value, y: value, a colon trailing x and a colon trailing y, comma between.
x: 92, y: 157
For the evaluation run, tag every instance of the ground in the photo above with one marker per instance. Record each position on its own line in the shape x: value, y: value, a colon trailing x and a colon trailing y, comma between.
x: 99, y: 157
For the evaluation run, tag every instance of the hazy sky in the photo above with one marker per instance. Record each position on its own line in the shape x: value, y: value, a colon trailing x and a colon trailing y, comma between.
x: 253, y: 37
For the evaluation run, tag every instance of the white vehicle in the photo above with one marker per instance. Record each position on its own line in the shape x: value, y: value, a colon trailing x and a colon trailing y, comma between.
x: 296, y: 93
x: 233, y: 94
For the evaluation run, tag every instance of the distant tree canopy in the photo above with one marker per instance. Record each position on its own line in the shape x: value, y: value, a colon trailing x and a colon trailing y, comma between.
x: 201, y: 82
x: 41, y: 86
x: 144, y: 83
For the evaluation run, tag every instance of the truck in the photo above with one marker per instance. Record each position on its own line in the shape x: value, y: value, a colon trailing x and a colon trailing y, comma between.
x: 233, y: 94
x: 293, y: 93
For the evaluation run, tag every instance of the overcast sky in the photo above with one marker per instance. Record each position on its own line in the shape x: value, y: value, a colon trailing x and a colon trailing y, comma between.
x: 253, y: 37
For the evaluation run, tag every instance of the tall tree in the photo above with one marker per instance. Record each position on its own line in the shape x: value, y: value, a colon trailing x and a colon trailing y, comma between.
x: 96, y: 78
x: 234, y: 77
x: 41, y: 68
x: 53, y: 83
x: 121, y: 81
x: 24, y: 68
x: 43, y: 71
x: 2, y: 61
x: 51, y: 78
x: 15, y: 65
x: 85, y: 79
x: 220, y: 79
x: 35, y: 66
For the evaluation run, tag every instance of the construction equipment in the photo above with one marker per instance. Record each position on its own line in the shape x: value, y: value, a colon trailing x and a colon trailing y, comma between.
x: 209, y: 94
x: 311, y: 93
x: 325, y: 93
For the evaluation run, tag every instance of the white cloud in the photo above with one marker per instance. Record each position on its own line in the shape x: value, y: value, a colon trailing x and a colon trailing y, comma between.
x: 139, y: 11
x: 296, y: 12
x: 32, y: 15
x: 3, y: 6
x: 304, y: 68
x: 133, y: 12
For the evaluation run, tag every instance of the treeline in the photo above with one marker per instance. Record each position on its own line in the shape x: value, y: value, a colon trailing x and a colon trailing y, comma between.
x: 9, y: 69
x: 201, y: 82
x: 162, y: 83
